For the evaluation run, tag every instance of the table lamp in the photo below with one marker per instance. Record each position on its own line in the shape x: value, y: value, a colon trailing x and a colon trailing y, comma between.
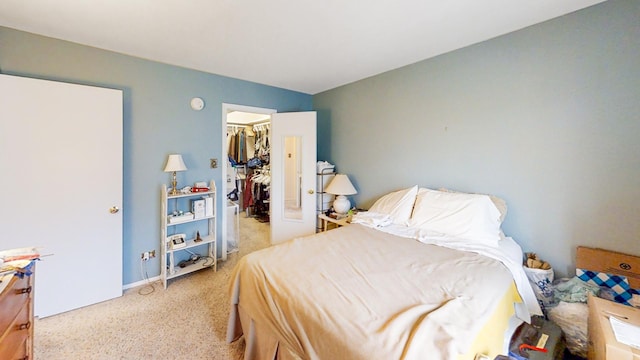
x: 341, y: 186
x: 175, y: 163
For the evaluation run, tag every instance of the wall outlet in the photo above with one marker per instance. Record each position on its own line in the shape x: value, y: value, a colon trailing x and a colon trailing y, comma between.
x: 148, y: 255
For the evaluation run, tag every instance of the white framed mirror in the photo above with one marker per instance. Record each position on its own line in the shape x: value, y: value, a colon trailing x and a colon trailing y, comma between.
x: 292, y: 175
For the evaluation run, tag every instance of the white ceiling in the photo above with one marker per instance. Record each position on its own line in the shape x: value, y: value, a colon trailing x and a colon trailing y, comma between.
x: 304, y: 45
x: 245, y: 118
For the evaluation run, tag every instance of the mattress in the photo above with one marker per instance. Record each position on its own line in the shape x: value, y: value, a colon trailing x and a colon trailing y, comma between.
x: 359, y: 293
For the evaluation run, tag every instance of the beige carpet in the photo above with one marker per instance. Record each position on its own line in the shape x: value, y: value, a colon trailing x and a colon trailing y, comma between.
x: 186, y: 321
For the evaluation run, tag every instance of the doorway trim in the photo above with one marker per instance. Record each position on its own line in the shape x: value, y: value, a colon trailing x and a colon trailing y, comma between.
x: 226, y: 109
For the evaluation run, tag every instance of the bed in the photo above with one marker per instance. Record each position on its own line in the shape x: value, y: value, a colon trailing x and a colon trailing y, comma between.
x: 423, y: 274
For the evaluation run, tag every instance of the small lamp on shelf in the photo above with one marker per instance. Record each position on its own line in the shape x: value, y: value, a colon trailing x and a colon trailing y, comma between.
x: 174, y: 164
x: 341, y: 186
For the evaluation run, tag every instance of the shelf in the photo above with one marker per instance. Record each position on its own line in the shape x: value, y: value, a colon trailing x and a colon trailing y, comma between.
x: 191, y: 243
x: 169, y: 196
x: 189, y: 220
x: 203, y: 263
x: 206, y: 227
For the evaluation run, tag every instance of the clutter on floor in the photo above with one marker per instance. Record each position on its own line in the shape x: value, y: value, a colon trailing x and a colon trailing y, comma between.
x: 616, y: 271
x: 540, y: 275
x: 571, y: 317
x: 540, y: 340
x: 614, y: 330
x: 610, y: 279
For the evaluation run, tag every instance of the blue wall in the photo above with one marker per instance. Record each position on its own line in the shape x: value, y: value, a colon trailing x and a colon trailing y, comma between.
x: 157, y: 121
x: 547, y: 118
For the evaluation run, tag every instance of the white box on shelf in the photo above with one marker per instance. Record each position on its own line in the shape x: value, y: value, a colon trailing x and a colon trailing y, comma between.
x: 180, y: 218
x: 197, y: 207
x: 208, y: 205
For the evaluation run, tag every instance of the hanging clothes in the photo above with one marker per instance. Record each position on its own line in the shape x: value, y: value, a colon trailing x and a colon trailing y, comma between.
x: 262, y: 148
x: 248, y: 195
x: 242, y: 147
x: 231, y: 143
x: 237, y: 144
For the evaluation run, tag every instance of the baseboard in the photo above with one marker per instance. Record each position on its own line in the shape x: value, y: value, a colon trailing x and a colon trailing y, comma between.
x: 140, y: 283
x: 150, y: 280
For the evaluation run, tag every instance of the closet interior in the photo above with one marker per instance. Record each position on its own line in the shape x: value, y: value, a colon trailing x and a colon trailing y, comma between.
x: 248, y: 170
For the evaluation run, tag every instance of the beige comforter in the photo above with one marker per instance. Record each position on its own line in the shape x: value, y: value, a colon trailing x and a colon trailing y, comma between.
x: 358, y: 293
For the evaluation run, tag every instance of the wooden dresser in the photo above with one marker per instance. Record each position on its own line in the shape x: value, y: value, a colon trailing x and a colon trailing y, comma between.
x: 16, y: 318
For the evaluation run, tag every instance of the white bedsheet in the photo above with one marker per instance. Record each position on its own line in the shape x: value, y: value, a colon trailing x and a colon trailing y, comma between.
x: 508, y: 252
x: 359, y: 293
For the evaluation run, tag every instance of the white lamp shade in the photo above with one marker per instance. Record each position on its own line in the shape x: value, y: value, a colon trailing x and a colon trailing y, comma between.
x: 175, y: 163
x: 341, y: 185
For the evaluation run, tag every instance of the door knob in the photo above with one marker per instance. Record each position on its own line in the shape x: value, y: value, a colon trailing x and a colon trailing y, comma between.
x: 310, y: 191
x: 114, y: 209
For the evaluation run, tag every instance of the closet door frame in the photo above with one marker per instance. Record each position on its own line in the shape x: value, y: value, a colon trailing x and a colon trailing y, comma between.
x: 226, y: 109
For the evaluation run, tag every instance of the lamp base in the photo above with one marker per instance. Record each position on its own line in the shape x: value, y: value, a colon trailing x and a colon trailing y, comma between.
x: 341, y: 204
x: 174, y: 185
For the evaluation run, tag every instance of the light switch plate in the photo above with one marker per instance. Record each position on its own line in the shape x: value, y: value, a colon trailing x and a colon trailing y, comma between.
x: 214, y: 163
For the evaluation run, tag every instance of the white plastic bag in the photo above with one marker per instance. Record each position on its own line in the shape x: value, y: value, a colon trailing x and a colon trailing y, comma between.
x: 572, y: 319
x: 541, y: 282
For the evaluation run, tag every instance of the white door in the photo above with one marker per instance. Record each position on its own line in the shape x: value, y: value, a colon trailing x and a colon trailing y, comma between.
x: 61, y: 160
x: 293, y: 175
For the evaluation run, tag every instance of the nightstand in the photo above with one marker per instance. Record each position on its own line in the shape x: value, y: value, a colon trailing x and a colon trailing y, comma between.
x: 326, y: 220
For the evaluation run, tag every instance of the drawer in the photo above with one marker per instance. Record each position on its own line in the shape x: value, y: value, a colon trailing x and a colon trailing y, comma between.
x: 14, y: 342
x: 13, y: 298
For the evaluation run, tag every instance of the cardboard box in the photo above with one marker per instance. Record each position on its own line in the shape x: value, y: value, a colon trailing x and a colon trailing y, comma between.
x: 610, y: 262
x: 602, y: 342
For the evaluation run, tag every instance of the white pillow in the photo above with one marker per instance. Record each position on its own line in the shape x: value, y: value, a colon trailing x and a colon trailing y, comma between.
x: 500, y: 204
x: 467, y: 216
x: 398, y: 205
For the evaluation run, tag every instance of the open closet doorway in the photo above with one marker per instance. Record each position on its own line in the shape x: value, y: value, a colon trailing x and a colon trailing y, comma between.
x: 246, y: 170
